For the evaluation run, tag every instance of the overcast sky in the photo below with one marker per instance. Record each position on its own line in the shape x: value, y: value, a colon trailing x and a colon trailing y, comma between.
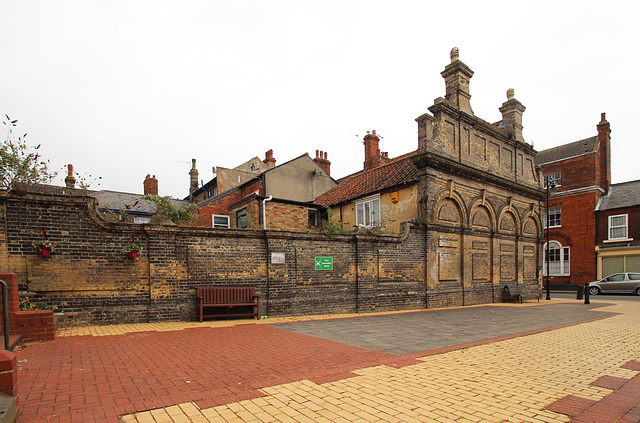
x: 122, y: 89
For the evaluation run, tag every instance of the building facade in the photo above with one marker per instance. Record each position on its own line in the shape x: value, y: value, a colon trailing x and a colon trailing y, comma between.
x: 618, y: 230
x: 252, y: 194
x: 577, y: 175
x: 472, y: 184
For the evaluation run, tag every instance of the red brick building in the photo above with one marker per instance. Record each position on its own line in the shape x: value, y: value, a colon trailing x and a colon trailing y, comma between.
x: 618, y: 230
x: 259, y: 191
x: 577, y: 175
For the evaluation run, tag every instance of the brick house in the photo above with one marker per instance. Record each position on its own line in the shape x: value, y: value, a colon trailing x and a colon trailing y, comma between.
x: 618, y: 230
x: 578, y: 175
x: 383, y: 195
x: 244, y: 196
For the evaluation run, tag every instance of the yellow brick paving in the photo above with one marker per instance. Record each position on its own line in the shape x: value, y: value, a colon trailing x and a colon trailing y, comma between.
x: 508, y: 381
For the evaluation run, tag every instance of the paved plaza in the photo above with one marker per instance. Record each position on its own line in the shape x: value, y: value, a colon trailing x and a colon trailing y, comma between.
x: 553, y: 361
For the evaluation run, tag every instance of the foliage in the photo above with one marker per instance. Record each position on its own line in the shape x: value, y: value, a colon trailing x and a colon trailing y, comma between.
x: 26, y: 305
x: 177, y: 214
x: 132, y: 247
x: 333, y: 226
x: 20, y: 162
x: 45, y: 243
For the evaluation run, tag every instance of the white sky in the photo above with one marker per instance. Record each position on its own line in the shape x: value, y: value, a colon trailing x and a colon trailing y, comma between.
x: 122, y: 89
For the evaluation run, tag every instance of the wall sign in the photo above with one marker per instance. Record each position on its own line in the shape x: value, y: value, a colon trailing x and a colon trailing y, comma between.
x: 324, y: 263
x: 277, y: 258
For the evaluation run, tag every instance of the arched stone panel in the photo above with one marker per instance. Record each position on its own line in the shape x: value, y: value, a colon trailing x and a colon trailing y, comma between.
x: 481, y: 218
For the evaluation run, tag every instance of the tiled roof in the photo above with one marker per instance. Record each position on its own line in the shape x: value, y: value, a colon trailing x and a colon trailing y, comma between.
x: 565, y: 151
x: 626, y: 194
x: 396, y: 172
x: 132, y: 203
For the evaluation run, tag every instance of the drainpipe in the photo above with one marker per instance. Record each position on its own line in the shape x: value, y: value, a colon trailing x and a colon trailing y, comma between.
x: 264, y: 211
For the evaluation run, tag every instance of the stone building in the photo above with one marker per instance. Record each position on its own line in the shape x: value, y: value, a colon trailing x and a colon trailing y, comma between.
x: 473, y: 184
x: 479, y: 193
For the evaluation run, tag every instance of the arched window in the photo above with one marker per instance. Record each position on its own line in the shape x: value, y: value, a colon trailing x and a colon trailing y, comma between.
x: 559, y: 260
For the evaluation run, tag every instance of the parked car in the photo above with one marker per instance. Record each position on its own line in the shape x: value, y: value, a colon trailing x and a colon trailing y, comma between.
x: 618, y: 283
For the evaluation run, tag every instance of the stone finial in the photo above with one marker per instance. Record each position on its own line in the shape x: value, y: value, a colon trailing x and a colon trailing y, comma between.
x: 455, y: 53
x: 511, y: 94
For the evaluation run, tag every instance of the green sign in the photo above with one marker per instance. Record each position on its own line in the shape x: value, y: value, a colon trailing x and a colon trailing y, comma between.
x: 324, y: 263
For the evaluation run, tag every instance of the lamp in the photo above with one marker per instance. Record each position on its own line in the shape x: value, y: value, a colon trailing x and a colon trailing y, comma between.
x: 550, y: 186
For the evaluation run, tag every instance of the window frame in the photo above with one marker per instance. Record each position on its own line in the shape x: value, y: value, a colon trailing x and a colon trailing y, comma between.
x: 611, y: 227
x: 363, y: 204
x: 557, y: 219
x: 561, y: 255
x: 218, y: 225
x: 141, y: 220
x: 242, y: 214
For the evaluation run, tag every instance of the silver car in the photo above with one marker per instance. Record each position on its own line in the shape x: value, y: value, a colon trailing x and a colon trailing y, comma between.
x: 617, y: 283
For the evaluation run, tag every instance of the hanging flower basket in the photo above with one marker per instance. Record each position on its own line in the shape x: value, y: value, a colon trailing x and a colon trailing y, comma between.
x: 44, y: 247
x: 132, y: 250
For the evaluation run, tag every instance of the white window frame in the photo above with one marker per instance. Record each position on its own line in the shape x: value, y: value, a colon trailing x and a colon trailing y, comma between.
x: 557, y: 212
x: 612, y: 227
x: 140, y: 220
x: 561, y: 267
x: 219, y: 225
x: 555, y: 178
x: 368, y: 212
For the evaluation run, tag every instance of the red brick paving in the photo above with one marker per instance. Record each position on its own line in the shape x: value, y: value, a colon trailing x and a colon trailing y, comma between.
x: 86, y: 378
x: 621, y: 406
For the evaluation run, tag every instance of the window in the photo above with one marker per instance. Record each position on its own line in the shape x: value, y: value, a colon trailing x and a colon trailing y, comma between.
x: 313, y: 218
x: 559, y: 260
x: 553, y: 178
x: 220, y: 221
x: 554, y: 217
x: 241, y: 218
x: 141, y: 219
x: 618, y: 226
x: 368, y: 212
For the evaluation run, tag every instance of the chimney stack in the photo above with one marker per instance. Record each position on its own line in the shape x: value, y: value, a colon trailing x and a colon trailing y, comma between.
x: 150, y: 185
x: 70, y: 180
x: 604, y: 147
x: 193, y: 175
x: 321, y: 160
x: 372, y: 156
x: 269, y: 160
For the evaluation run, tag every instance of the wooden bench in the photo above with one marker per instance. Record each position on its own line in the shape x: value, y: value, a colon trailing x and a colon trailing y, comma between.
x: 228, y: 297
x: 513, y: 293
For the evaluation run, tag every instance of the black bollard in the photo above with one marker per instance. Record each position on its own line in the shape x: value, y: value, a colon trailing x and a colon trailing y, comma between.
x: 586, y: 294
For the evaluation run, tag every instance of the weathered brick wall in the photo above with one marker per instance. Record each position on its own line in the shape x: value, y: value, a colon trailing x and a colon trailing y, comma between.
x: 281, y: 216
x: 90, y: 279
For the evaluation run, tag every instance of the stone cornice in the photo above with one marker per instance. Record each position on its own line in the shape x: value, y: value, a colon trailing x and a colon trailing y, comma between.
x: 432, y: 160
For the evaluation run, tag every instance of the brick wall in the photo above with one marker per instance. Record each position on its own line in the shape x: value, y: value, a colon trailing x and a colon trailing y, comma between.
x: 90, y: 279
x: 633, y: 225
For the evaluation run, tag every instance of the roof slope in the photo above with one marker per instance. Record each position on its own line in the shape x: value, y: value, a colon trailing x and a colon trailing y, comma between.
x: 396, y: 172
x: 576, y: 148
x: 132, y: 203
x: 626, y: 194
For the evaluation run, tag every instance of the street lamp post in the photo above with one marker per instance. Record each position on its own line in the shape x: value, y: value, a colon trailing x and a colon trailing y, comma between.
x: 550, y: 185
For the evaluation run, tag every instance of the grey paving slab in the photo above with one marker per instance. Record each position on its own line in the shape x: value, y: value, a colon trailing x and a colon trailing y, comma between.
x: 414, y: 332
